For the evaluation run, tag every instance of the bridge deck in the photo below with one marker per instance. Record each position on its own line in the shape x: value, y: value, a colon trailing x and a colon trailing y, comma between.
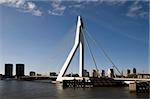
x: 131, y: 79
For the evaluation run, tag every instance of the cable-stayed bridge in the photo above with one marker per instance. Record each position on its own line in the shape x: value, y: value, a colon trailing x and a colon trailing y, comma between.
x: 80, y: 42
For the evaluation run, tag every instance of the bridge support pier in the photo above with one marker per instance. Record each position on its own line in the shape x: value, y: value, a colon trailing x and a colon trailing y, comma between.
x: 132, y: 87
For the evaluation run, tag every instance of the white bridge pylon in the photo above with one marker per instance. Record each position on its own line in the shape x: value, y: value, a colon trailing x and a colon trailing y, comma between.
x: 79, y: 42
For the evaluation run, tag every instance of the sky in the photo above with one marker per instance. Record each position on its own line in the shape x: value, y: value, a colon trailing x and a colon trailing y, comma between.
x: 40, y: 34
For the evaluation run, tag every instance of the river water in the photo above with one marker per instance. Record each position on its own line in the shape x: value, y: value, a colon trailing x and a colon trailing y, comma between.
x: 40, y: 90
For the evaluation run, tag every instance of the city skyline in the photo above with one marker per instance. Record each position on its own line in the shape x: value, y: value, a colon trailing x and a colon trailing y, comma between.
x: 41, y: 34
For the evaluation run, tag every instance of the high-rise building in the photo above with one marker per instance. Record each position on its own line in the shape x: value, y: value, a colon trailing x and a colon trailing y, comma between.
x: 53, y: 74
x: 111, y: 73
x: 85, y: 73
x: 128, y: 71
x: 32, y: 73
x: 134, y: 70
x: 103, y: 73
x: 19, y: 70
x: 8, y: 70
x: 94, y: 73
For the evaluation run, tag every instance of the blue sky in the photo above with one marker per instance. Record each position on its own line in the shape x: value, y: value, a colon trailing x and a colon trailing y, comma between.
x: 40, y: 34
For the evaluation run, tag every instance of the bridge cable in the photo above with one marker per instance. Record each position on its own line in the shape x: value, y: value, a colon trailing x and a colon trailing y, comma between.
x: 104, y: 52
x: 90, y: 51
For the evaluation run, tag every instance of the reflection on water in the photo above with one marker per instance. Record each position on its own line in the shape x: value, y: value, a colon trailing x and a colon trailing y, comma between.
x: 38, y: 90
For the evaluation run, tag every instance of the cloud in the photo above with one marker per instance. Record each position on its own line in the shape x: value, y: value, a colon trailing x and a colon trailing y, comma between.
x: 76, y: 6
x: 22, y: 5
x: 137, y: 10
x: 83, y: 4
x: 31, y: 7
x: 57, y: 8
x: 113, y: 2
